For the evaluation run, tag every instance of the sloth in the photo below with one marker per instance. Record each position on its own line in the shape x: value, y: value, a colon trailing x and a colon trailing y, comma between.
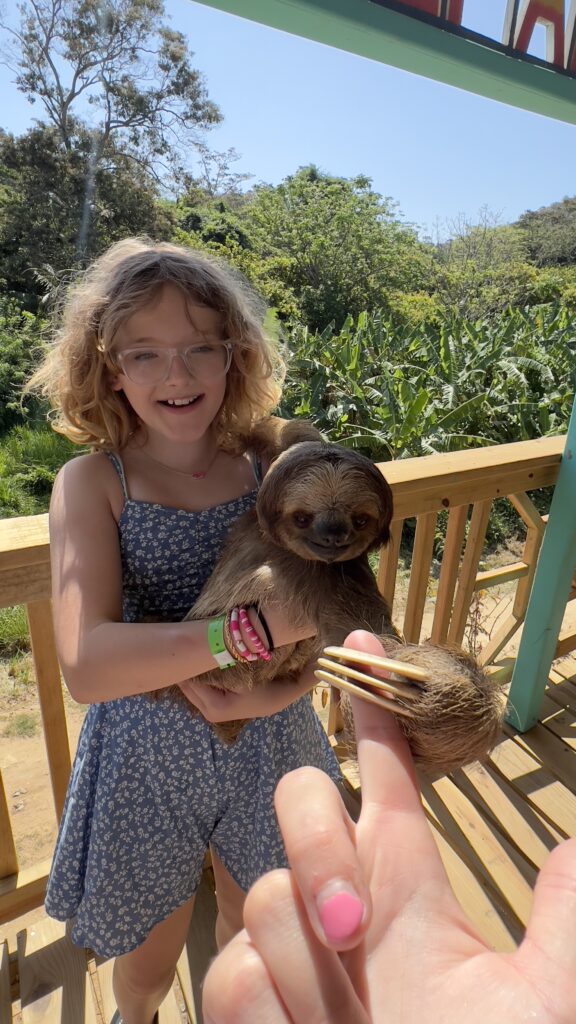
x: 320, y: 511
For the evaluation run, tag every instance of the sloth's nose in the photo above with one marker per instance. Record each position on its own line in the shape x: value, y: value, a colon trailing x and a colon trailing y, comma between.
x: 332, y: 534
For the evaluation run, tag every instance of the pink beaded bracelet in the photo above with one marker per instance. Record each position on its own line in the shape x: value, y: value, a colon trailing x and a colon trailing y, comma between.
x: 253, y: 635
x: 237, y: 640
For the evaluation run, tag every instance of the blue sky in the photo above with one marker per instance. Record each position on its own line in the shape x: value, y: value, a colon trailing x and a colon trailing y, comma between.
x: 439, y: 152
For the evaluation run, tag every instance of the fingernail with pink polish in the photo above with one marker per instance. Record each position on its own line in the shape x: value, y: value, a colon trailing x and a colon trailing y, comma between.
x: 340, y: 913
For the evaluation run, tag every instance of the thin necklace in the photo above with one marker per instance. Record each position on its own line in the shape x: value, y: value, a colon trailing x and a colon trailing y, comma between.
x: 182, y: 472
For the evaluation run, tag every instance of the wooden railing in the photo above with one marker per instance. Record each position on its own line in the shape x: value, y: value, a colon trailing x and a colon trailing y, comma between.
x: 463, y: 483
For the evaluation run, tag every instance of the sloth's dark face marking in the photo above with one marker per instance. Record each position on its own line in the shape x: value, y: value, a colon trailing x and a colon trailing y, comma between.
x: 324, y: 503
x: 328, y: 534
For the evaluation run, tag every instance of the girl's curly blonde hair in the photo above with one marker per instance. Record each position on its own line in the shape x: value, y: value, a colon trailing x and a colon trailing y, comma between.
x: 76, y: 373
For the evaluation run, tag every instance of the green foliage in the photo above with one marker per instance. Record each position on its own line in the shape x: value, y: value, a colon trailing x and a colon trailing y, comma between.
x: 396, y: 392
x: 41, y: 210
x: 20, y: 339
x: 14, y: 637
x: 29, y: 461
x: 485, y: 269
x: 333, y: 245
x: 550, y: 233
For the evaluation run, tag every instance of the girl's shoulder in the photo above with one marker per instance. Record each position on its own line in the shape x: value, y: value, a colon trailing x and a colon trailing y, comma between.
x: 89, y: 478
x: 92, y: 466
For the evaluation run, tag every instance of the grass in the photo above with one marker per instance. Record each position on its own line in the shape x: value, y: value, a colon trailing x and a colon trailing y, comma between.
x: 24, y: 724
x: 14, y: 636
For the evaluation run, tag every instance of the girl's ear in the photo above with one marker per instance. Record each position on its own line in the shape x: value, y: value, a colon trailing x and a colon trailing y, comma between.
x: 114, y: 383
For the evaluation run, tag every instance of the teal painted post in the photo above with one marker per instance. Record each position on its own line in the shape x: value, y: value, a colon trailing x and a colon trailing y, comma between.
x: 547, y: 604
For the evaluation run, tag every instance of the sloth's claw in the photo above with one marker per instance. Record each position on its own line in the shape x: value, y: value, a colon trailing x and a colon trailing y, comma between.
x: 390, y: 693
x: 399, y: 668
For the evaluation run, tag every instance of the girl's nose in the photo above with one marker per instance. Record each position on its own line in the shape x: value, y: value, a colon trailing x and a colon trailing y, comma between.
x: 178, y: 369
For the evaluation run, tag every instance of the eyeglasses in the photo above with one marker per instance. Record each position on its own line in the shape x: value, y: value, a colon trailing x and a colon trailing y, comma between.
x: 146, y: 365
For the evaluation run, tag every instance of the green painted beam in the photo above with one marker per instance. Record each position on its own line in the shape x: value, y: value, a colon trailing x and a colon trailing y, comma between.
x: 548, y: 597
x: 369, y: 30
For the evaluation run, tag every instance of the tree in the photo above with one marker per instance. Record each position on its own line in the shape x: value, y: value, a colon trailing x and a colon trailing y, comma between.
x: 335, y: 246
x: 485, y: 267
x: 551, y: 233
x: 112, y: 68
x: 42, y: 190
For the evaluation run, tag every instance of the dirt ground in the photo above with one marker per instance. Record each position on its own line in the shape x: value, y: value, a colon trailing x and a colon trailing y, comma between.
x: 24, y: 766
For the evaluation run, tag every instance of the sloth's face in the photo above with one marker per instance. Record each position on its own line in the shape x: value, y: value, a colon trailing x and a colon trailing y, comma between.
x: 325, y: 503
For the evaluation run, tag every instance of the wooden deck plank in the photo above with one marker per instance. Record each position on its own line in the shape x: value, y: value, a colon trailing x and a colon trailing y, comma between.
x: 563, y: 692
x: 560, y: 721
x: 489, y: 855
x: 540, y: 787
x: 5, y: 993
x: 508, y: 812
x: 552, y: 751
x: 54, y: 982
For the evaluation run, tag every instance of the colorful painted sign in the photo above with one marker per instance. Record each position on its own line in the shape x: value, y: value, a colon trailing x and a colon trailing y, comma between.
x: 519, y: 19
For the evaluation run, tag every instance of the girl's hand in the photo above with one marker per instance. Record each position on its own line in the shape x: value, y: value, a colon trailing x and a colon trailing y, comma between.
x: 222, y: 706
x: 365, y: 929
x: 282, y: 630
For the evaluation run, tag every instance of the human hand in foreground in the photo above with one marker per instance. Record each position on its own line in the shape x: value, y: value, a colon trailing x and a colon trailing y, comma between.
x: 401, y: 950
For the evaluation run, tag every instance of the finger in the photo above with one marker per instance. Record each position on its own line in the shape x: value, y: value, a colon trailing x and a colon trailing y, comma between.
x: 311, y: 980
x: 392, y: 835
x: 552, y: 924
x: 380, y: 735
x: 239, y: 990
x: 318, y: 836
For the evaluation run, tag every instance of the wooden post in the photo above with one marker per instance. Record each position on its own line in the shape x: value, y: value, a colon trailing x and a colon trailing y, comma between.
x: 51, y: 701
x: 547, y: 604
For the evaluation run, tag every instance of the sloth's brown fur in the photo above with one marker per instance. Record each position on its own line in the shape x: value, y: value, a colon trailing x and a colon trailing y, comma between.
x: 320, y: 510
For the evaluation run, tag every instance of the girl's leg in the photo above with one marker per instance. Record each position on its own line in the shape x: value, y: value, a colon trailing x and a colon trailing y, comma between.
x: 142, y: 978
x: 230, y: 899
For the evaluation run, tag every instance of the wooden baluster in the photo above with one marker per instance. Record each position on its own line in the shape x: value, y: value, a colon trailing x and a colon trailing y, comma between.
x: 449, y: 572
x: 51, y: 700
x: 468, y: 569
x: 388, y: 562
x: 419, y: 576
x: 8, y: 858
x: 535, y: 532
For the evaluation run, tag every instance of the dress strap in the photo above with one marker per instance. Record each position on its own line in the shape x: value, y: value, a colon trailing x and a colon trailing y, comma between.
x: 256, y: 467
x: 117, y: 463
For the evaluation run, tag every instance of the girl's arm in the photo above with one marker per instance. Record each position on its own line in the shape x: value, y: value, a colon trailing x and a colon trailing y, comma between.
x: 103, y: 658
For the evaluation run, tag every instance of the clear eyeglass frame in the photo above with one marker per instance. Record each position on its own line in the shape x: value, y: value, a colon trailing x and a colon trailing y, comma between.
x: 147, y: 377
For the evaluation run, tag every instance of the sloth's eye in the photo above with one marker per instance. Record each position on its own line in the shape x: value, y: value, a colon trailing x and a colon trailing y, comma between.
x: 302, y: 519
x: 360, y: 522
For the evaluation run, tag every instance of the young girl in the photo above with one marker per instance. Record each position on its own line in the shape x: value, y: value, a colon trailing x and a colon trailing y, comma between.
x: 161, y: 366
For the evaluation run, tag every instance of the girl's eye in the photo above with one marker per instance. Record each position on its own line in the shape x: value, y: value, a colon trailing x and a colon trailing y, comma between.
x: 360, y: 522
x: 200, y: 350
x: 143, y: 356
x: 302, y: 519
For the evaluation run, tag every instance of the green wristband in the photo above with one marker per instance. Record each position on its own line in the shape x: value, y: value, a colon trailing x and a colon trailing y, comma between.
x: 216, y: 644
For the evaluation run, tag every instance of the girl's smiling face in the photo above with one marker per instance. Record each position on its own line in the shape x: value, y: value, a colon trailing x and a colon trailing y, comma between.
x: 180, y: 408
